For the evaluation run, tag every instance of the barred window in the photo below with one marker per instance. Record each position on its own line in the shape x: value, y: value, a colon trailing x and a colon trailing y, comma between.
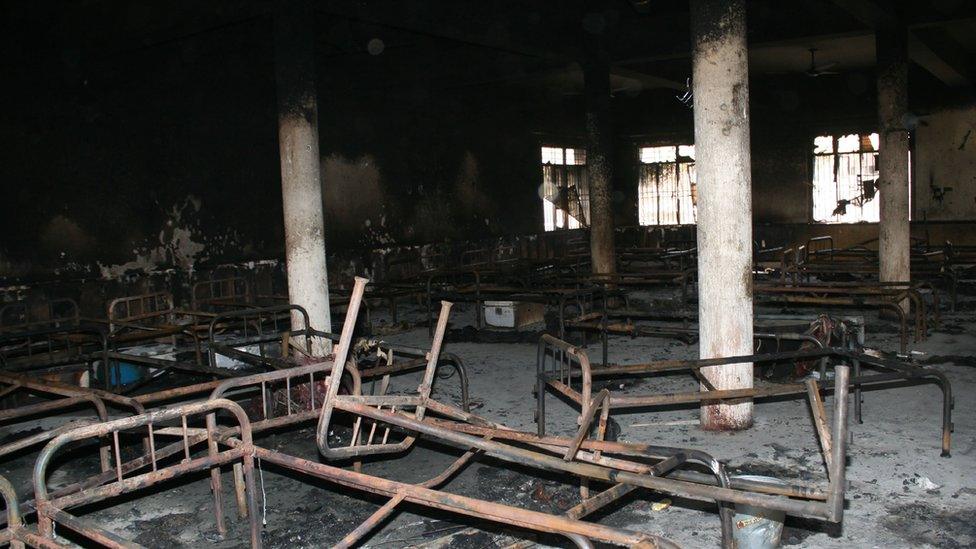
x: 667, y: 193
x: 565, y: 188
x: 845, y: 179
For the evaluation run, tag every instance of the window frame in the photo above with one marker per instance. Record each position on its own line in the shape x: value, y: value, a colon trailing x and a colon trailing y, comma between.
x: 679, y: 162
x: 569, y: 222
x: 861, y: 132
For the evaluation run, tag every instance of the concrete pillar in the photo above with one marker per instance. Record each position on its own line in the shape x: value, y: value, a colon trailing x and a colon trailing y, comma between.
x: 301, y: 186
x: 599, y: 148
x: 721, y: 99
x: 894, y: 231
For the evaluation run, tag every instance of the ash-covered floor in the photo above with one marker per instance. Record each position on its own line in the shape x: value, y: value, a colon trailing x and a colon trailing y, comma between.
x: 901, y: 493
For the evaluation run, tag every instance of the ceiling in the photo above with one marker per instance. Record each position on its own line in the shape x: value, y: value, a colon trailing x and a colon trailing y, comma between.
x: 510, y: 42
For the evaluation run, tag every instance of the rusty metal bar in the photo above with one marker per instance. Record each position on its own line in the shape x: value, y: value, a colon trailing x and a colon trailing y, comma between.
x: 820, y: 421
x: 600, y: 401
x: 14, y: 521
x: 838, y: 472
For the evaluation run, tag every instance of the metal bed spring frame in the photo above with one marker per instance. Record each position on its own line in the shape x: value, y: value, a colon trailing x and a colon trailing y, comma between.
x: 567, y: 371
x: 833, y: 294
x: 72, y: 397
x: 69, y: 397
x: 254, y: 318
x: 74, y: 348
x: 150, y: 317
x: 606, y: 322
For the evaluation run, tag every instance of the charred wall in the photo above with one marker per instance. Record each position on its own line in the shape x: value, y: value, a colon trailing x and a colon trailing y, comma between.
x: 166, y: 157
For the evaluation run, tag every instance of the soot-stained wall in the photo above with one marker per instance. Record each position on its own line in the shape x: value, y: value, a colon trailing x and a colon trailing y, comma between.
x: 161, y: 156
x: 167, y: 157
x: 945, y: 168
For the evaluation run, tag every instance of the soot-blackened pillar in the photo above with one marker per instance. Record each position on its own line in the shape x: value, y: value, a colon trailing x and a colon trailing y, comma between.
x: 894, y: 230
x: 301, y: 186
x: 720, y: 79
x: 599, y: 150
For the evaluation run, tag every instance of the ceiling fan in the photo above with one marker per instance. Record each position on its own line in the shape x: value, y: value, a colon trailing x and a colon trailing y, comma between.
x: 818, y: 70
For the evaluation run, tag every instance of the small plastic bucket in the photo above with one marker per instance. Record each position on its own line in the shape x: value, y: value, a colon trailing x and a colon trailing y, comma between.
x: 755, y: 527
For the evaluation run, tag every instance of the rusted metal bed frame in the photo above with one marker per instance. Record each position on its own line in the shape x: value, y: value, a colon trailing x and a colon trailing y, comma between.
x: 74, y: 397
x: 578, y: 457
x: 636, y: 258
x: 575, y: 460
x: 216, y: 294
x: 73, y: 343
x: 688, y: 334
x: 207, y: 342
x: 48, y: 336
x: 156, y: 318
x: 241, y: 453
x: 819, y: 257
x: 566, y: 370
x: 146, y: 317
x: 68, y: 399
x: 363, y: 444
x: 476, y: 291
x: 258, y: 326
x: 59, y: 399
x: 51, y: 507
x: 885, y: 296
x: 607, y: 321
x: 15, y: 533
x: 55, y: 349
x: 415, y: 358
x: 650, y: 278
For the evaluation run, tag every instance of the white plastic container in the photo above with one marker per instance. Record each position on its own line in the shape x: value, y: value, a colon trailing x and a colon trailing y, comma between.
x: 513, y: 314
